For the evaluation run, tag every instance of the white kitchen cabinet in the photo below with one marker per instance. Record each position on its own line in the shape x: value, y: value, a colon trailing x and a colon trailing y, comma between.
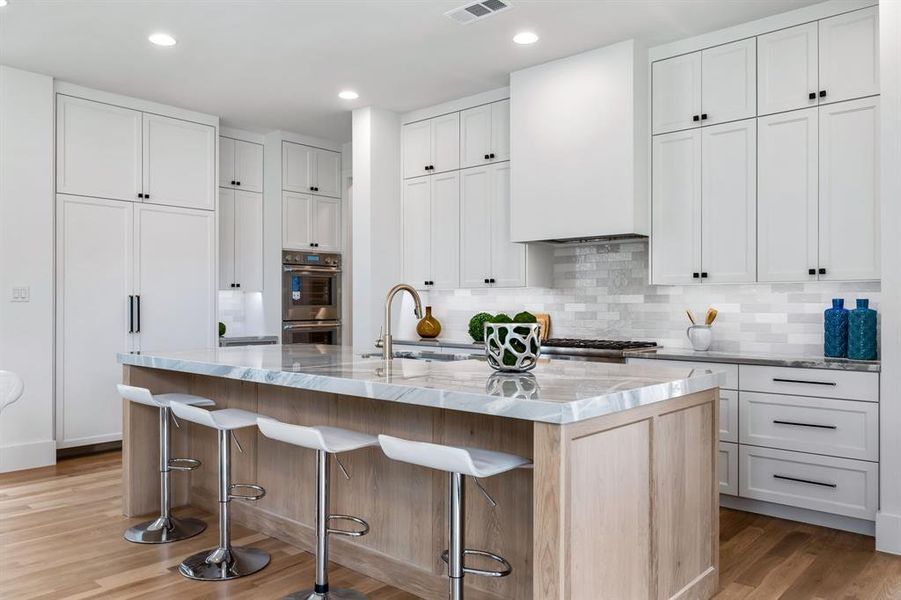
x: 729, y: 203
x: 179, y: 162
x: 431, y: 231
x: 240, y: 240
x: 787, y: 69
x: 310, y: 222
x: 676, y: 240
x: 98, y: 149
x: 729, y: 82
x: 508, y: 259
x: 240, y: 165
x: 787, y: 196
x: 676, y: 97
x: 485, y: 134
x: 849, y: 228
x: 309, y: 170
x: 728, y: 468
x: 431, y: 146
x: 849, y: 55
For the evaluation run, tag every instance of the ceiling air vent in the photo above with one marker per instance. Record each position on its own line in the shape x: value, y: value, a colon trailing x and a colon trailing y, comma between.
x: 477, y: 10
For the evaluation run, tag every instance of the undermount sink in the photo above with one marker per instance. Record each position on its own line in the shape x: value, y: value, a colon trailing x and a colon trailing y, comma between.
x: 427, y: 356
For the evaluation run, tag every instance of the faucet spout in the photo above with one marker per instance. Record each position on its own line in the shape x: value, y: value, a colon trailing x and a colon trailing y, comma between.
x: 387, y: 350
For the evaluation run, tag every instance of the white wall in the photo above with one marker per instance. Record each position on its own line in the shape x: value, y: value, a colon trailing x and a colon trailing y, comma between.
x: 26, y: 259
x: 375, y: 218
x: 888, y: 521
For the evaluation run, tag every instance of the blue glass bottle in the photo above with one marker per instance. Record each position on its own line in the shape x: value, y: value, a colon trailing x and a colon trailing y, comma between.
x: 835, y: 330
x: 862, y: 332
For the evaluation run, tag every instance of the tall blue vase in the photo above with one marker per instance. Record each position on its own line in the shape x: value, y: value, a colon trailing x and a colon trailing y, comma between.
x: 835, y: 330
x: 862, y: 332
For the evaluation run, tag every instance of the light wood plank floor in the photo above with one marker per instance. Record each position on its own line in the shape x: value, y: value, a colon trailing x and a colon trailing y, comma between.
x: 60, y: 538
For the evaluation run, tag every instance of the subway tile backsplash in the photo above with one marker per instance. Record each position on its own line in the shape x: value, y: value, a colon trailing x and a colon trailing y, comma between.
x: 601, y: 290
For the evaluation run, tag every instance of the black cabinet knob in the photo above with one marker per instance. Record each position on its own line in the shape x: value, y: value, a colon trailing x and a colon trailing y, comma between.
x: 237, y: 183
x: 696, y: 275
x: 233, y: 182
x: 703, y: 275
x: 811, y: 271
x: 140, y: 195
x: 695, y: 118
x: 233, y: 285
x: 427, y: 167
x: 491, y: 155
x: 812, y: 96
x: 703, y: 116
x: 237, y: 285
x: 821, y: 271
x: 312, y: 245
x: 491, y: 280
x: 822, y: 93
x: 487, y: 281
x: 487, y: 157
x: 146, y: 196
x: 317, y: 188
x: 311, y: 188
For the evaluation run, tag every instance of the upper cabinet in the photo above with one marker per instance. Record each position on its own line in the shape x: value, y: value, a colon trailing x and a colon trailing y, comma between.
x: 831, y: 60
x: 431, y: 231
x: 431, y: 146
x: 311, y: 222
x: 106, y: 151
x: 240, y: 240
x: 706, y: 87
x: 240, y: 165
x: 309, y: 170
x: 485, y: 134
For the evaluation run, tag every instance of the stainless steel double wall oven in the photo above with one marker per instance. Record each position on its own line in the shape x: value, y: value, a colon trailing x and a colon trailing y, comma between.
x: 311, y: 297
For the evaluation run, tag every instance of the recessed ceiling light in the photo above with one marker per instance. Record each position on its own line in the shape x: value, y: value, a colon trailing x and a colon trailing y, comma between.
x: 525, y: 37
x: 348, y: 95
x: 3, y: 3
x: 162, y: 39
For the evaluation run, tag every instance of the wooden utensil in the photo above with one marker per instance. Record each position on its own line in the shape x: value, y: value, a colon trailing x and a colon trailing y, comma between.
x: 545, y: 320
x: 690, y: 317
x: 711, y: 316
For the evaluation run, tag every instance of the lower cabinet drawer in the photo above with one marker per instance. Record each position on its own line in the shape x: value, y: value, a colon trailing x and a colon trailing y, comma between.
x: 730, y: 371
x: 820, y: 383
x: 728, y: 466
x: 835, y: 485
x: 843, y: 428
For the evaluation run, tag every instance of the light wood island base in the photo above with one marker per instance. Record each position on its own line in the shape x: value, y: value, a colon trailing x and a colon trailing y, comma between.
x: 619, y: 506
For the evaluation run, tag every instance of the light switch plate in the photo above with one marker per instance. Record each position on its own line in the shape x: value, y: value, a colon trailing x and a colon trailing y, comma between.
x: 21, y: 294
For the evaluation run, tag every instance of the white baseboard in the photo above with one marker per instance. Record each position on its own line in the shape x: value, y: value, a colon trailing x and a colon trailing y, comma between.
x: 90, y: 441
x: 803, y: 515
x: 888, y: 532
x: 27, y: 456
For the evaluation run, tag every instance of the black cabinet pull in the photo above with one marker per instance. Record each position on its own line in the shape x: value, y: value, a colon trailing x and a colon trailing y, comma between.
x: 812, y: 96
x: 781, y: 380
x: 703, y: 116
x: 233, y: 182
x: 808, y: 481
x: 317, y: 187
x: 696, y: 275
x: 486, y: 280
x: 795, y: 424
x: 811, y: 271
x: 491, y: 280
x: 147, y: 196
x: 491, y: 155
x: 695, y: 118
x: 231, y: 285
x: 238, y: 285
x: 138, y: 317
x: 237, y: 183
x: 704, y: 275
x: 822, y: 93
x: 140, y: 195
x: 131, y: 313
x: 487, y: 157
x: 821, y: 271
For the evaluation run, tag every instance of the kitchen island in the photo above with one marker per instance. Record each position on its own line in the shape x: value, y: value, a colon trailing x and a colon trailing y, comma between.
x: 622, y: 501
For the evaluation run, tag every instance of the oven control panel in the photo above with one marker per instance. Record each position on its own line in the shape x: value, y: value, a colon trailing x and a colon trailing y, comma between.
x: 321, y: 259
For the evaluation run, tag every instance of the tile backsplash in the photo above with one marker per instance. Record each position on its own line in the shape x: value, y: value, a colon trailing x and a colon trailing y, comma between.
x: 601, y: 290
x: 242, y: 313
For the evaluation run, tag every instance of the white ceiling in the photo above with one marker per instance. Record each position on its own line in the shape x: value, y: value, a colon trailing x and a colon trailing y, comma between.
x: 268, y: 64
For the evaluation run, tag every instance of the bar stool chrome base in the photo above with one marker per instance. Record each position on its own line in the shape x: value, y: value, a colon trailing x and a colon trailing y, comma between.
x: 329, y: 595
x: 163, y: 530
x: 223, y: 563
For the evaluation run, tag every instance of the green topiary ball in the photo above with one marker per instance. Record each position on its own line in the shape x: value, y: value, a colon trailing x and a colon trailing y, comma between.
x: 525, y: 317
x: 477, y: 326
x: 501, y: 318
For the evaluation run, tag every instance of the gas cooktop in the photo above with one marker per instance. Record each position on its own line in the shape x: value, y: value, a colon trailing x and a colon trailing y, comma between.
x: 611, y: 350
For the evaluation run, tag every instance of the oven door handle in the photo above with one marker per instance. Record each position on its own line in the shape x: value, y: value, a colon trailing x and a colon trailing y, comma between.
x: 309, y: 269
x: 324, y: 325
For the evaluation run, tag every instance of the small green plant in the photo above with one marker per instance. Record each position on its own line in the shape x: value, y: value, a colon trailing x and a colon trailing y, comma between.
x: 525, y: 317
x: 477, y: 326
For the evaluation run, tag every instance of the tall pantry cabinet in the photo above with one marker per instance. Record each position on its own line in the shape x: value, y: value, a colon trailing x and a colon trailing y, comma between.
x: 136, y: 193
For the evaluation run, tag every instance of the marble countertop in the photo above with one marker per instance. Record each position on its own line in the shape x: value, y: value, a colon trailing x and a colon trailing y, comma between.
x: 558, y: 392
x: 441, y: 343
x: 750, y: 358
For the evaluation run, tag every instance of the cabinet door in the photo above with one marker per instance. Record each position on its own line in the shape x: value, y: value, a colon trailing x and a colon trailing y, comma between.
x: 475, y: 227
x: 729, y: 203
x: 787, y: 69
x: 849, y: 55
x: 297, y: 167
x: 249, y: 166
x: 416, y: 230
x: 508, y: 259
x: 249, y: 241
x: 444, y: 231
x: 174, y: 277
x: 729, y: 82
x: 500, y: 130
x: 94, y: 265
x: 327, y: 224
x: 787, y: 196
x: 227, y: 256
x: 676, y: 212
x: 297, y: 221
x: 676, y: 97
x: 328, y: 173
x: 475, y: 136
x: 98, y: 149
x: 227, y: 174
x: 179, y: 167
x: 849, y: 190
x: 445, y: 143
x: 417, y: 142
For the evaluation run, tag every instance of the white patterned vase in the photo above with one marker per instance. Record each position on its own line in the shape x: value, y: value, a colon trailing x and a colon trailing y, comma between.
x: 512, y: 347
x: 522, y: 386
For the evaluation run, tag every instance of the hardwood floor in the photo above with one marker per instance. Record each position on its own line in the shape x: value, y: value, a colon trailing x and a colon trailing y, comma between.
x: 61, y: 538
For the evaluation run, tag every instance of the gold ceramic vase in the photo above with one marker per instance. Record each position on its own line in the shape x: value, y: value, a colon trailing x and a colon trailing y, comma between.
x: 428, y: 326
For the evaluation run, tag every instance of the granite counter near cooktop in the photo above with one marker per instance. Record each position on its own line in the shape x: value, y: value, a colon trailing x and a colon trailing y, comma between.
x: 557, y: 392
x: 768, y: 359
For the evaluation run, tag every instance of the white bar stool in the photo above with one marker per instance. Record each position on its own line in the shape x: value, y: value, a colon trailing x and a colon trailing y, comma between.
x: 165, y: 528
x: 457, y: 461
x: 325, y: 441
x: 225, y: 561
